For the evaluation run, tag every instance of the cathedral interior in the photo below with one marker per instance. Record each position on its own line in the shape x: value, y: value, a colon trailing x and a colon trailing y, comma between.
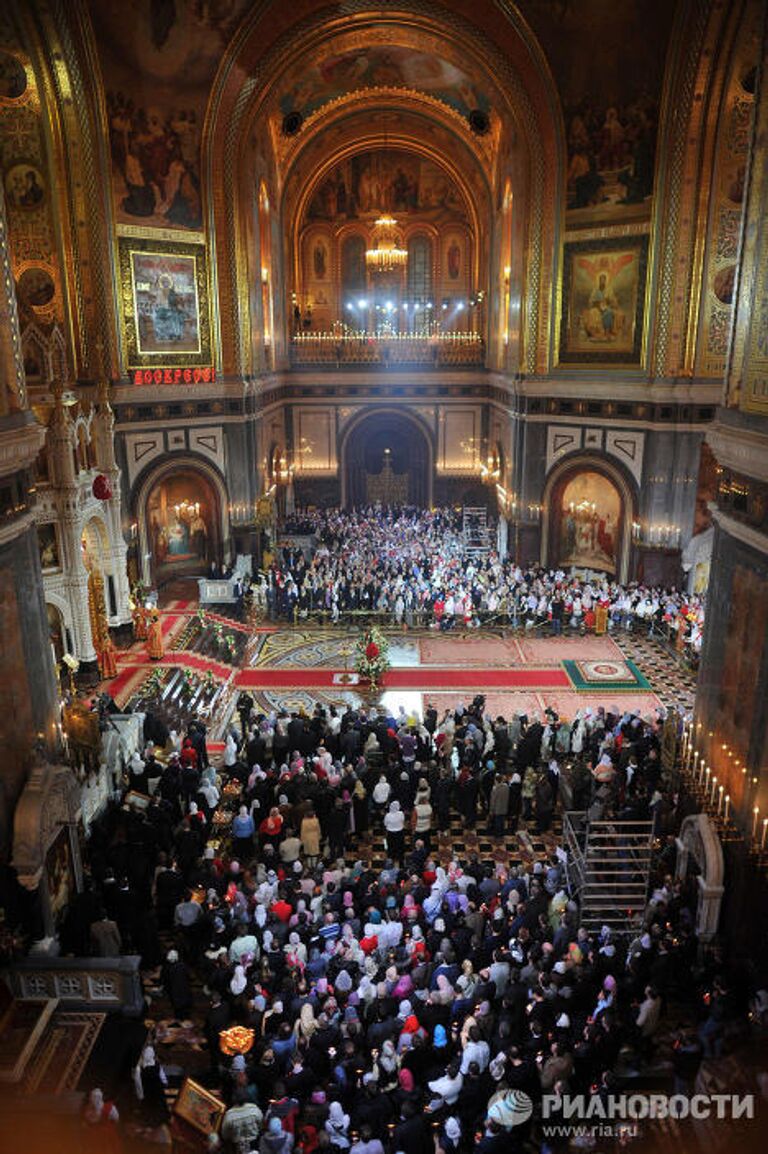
x: 502, y: 257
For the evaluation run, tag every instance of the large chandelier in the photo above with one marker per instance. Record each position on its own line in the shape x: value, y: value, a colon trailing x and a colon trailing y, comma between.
x: 386, y: 252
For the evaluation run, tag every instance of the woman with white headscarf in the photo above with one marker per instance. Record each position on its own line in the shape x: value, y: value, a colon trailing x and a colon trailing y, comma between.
x: 101, y: 1118
x: 230, y: 752
x: 150, y: 1080
x: 388, y: 1067
x: 394, y: 824
x: 336, y: 1126
x: 295, y: 951
x: 238, y: 981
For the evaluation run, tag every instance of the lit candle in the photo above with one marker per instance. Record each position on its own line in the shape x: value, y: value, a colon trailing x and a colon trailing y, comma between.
x: 714, y: 787
x: 755, y: 812
x: 720, y: 800
x: 727, y: 807
x: 765, y: 830
x: 706, y: 783
x: 696, y: 765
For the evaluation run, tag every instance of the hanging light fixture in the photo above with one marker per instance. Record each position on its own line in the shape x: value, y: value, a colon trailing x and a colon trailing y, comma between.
x: 386, y: 252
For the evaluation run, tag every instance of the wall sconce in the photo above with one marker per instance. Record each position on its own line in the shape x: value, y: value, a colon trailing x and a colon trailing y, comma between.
x: 490, y: 471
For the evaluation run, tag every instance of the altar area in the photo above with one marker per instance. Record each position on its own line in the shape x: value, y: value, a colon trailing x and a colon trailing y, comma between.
x: 210, y: 657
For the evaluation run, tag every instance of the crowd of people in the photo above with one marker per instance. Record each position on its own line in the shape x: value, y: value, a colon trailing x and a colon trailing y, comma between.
x: 400, y: 1001
x: 415, y: 567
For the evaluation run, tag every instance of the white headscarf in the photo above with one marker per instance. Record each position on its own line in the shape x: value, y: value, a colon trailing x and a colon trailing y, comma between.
x: 239, y: 981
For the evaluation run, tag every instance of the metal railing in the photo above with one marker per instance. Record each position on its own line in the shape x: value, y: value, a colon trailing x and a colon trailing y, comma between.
x: 609, y: 866
x: 440, y: 351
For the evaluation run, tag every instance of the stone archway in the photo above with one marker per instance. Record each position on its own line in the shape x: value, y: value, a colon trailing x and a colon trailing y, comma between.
x: 588, y: 507
x: 387, y: 456
x: 698, y: 840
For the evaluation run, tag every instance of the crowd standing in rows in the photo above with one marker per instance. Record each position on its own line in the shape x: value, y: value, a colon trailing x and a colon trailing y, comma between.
x: 400, y: 1004
x: 415, y: 567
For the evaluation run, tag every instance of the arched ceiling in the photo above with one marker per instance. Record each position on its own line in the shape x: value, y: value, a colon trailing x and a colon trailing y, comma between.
x: 353, y: 131
x: 382, y: 57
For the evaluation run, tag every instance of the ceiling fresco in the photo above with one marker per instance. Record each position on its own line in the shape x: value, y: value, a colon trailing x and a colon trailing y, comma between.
x: 308, y: 88
x: 382, y: 180
x: 608, y: 61
x: 158, y: 62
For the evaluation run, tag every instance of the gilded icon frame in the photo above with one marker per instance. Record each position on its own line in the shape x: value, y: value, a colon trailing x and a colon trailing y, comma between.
x: 603, y: 302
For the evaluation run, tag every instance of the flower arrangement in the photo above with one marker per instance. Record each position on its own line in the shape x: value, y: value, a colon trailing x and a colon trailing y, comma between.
x: 188, y: 684
x: 372, y: 655
x: 236, y: 1040
x: 154, y: 684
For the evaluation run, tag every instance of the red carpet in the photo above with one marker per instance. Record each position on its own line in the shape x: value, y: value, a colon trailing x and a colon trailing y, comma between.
x: 199, y: 664
x: 414, y: 678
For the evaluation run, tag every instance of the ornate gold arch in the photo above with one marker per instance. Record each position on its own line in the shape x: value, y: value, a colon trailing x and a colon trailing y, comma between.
x: 497, y: 39
x: 477, y: 202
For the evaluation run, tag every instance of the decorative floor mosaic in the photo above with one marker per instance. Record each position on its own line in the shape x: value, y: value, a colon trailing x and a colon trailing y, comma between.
x: 296, y: 667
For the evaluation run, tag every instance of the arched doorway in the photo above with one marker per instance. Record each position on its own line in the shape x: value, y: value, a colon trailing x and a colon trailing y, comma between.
x: 387, y: 457
x: 181, y: 522
x: 94, y: 545
x: 589, y: 508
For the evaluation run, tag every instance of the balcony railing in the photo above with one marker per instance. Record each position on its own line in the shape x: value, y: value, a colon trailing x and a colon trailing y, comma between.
x: 444, y: 350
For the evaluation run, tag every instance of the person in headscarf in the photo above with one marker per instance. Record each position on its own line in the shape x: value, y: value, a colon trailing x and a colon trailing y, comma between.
x: 394, y: 824
x: 238, y: 981
x: 176, y: 983
x: 243, y: 829
x: 306, y: 1024
x: 150, y: 1081
x: 276, y: 1140
x: 388, y: 1065
x: 101, y: 1119
x: 336, y: 1126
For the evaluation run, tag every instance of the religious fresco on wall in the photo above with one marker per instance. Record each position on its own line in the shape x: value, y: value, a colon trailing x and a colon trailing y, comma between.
x: 739, y: 698
x: 27, y: 188
x: 165, y: 296
x: 610, y: 80
x: 706, y: 489
x: 179, y: 520
x: 155, y: 163
x: 603, y: 301
x: 588, y: 523
x: 158, y: 62
x: 165, y: 303
x: 13, y: 77
x: 727, y: 201
x: 386, y: 181
x: 48, y: 546
x: 24, y: 187
x: 36, y: 287
x: 59, y: 873
x: 381, y: 66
